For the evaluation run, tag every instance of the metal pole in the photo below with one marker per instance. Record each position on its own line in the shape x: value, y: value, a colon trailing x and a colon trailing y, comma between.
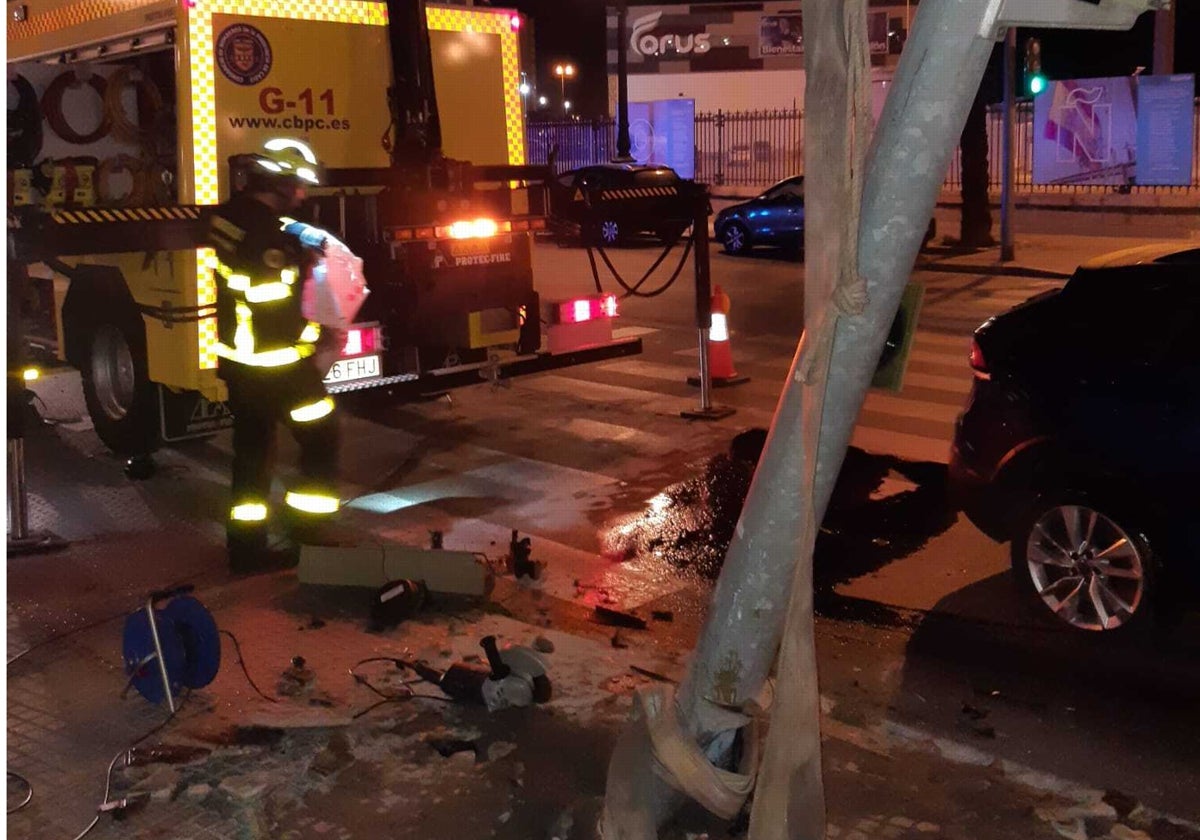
x: 741, y: 635
x: 705, y: 373
x: 706, y: 411
x: 923, y: 117
x: 158, y: 652
x: 1164, y: 41
x: 623, y: 144
x: 1007, y: 249
x: 20, y: 539
x: 18, y: 510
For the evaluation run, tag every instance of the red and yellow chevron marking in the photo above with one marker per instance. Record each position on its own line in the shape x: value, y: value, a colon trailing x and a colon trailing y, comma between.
x: 123, y: 214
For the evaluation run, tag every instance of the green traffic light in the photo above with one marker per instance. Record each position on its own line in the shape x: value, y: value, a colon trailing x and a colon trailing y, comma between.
x: 1037, y: 84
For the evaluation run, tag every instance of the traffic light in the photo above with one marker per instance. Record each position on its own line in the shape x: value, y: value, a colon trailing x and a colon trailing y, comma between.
x: 1034, y: 80
x: 893, y: 362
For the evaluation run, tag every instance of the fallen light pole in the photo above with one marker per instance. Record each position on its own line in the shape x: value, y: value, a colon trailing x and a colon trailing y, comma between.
x: 652, y: 769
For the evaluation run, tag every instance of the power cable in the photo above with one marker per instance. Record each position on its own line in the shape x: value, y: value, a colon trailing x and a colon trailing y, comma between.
x: 124, y: 128
x: 407, y: 694
x: 28, y: 795
x: 106, y: 804
x: 84, y: 628
x: 242, y: 662
x: 634, y: 290
x: 52, y: 106
x: 24, y: 126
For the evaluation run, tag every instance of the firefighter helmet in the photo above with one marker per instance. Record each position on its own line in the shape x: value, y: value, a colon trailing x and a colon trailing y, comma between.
x: 287, y: 158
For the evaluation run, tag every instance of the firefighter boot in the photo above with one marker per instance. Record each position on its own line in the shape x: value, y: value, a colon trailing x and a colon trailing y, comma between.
x: 311, y: 518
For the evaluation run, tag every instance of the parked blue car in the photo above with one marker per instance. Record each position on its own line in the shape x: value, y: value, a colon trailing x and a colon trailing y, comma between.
x: 775, y: 218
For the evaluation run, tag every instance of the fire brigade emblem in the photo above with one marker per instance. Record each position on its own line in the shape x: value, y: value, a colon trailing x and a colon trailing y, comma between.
x: 243, y: 54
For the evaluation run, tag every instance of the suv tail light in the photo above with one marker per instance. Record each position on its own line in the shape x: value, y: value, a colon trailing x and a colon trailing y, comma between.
x: 978, y: 362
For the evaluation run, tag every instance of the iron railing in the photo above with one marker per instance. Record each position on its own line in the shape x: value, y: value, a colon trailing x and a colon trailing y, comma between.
x: 757, y: 148
x: 1023, y: 158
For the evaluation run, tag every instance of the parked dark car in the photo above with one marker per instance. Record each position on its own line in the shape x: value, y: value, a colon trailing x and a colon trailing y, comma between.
x: 1080, y: 441
x: 775, y: 218
x: 648, y: 214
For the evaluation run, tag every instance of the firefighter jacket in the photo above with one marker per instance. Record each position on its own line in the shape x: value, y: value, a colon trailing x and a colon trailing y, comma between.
x: 258, y: 270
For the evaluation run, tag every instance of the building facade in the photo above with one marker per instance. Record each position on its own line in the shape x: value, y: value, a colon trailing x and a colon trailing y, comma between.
x: 737, y: 56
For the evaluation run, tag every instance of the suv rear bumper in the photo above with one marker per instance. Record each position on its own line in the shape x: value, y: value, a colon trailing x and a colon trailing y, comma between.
x: 976, y: 496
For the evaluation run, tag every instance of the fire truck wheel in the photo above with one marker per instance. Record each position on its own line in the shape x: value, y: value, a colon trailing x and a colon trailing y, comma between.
x: 117, y: 388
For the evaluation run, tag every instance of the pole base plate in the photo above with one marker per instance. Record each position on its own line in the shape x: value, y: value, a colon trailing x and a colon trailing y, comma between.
x: 716, y: 412
x: 720, y: 382
x: 36, y: 542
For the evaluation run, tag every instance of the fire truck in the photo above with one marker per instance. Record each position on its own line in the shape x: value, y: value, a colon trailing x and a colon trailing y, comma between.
x: 131, y: 117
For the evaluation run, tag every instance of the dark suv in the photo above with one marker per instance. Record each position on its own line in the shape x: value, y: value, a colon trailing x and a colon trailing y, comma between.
x: 1080, y: 441
x: 622, y: 221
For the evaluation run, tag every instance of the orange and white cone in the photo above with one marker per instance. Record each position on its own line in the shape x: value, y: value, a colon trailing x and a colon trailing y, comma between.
x: 720, y: 353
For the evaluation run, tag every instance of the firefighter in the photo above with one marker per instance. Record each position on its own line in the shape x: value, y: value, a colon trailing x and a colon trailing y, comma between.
x: 266, y: 348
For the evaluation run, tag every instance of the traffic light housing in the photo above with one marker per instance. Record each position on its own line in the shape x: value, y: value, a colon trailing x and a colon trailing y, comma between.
x: 1035, y: 82
x: 893, y: 361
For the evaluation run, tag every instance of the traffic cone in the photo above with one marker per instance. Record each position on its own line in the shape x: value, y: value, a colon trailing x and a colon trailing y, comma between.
x: 720, y: 353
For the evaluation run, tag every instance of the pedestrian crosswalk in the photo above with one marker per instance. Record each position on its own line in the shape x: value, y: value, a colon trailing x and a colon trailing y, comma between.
x: 916, y: 423
x: 561, y: 455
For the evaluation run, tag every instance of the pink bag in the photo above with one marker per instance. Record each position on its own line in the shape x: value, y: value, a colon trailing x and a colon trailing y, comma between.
x: 336, y: 290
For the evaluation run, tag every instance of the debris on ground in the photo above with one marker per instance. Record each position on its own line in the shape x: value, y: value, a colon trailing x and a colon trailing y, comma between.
x: 654, y: 675
x: 1122, y: 803
x: 296, y: 679
x: 519, y: 560
x: 662, y: 615
x: 447, y: 747
x: 335, y: 756
x: 617, y: 618
x: 165, y: 754
x: 499, y: 749
x: 543, y: 645
x: 395, y: 602
x: 618, y: 641
x: 246, y: 787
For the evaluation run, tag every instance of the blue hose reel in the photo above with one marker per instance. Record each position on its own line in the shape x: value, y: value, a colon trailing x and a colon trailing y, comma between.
x: 168, y: 649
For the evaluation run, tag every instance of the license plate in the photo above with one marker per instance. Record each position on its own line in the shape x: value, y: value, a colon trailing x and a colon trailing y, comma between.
x: 471, y: 247
x: 348, y: 370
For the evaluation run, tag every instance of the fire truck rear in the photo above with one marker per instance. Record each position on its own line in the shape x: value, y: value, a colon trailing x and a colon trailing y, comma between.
x: 129, y: 121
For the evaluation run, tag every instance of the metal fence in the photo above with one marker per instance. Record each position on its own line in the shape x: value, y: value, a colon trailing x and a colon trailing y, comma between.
x: 757, y: 148
x: 1023, y: 158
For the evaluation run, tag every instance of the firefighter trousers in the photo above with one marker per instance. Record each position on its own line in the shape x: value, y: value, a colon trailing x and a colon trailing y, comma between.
x: 261, y: 399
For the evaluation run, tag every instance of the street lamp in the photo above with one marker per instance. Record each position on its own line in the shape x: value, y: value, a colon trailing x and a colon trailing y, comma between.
x: 564, y: 71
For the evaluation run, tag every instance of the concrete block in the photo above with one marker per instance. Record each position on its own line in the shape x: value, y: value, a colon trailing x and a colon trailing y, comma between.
x: 449, y: 572
x: 446, y: 572
x: 342, y: 565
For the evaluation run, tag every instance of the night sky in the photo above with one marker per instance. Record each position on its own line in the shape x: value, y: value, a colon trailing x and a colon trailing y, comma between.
x: 574, y: 30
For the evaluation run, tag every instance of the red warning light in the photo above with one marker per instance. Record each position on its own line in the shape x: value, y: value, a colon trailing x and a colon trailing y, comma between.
x: 515, y: 21
x: 586, y: 309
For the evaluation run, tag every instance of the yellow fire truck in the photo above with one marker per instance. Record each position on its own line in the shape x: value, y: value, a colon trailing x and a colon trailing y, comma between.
x: 132, y: 115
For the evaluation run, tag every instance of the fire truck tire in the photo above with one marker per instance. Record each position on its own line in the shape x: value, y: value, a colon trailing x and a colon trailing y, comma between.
x: 120, y: 397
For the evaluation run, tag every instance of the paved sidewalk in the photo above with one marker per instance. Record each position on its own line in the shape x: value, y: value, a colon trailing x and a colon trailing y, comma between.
x: 1047, y: 256
x: 305, y: 766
